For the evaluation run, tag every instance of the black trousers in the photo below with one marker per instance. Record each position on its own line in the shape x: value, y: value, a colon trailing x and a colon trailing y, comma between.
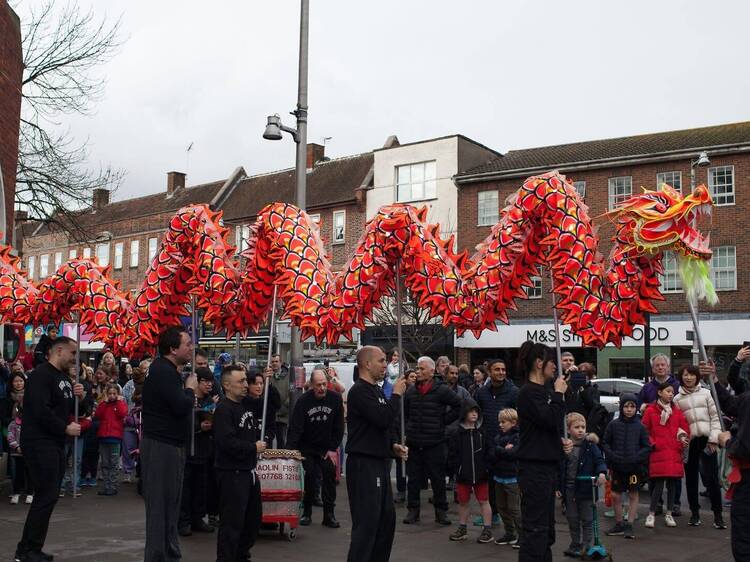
x: 240, y: 513
x: 45, y: 461
x: 212, y: 497
x: 279, y: 431
x: 313, y: 465
x: 368, y: 482
x: 537, y: 481
x: 427, y: 462
x: 708, y: 468
x: 740, y: 518
x: 194, y: 493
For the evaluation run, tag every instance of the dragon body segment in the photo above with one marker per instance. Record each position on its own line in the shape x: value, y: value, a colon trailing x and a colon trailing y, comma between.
x: 545, y: 225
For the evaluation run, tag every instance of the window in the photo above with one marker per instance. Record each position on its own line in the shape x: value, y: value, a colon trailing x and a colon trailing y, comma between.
x: 535, y: 291
x: 721, y: 184
x: 32, y: 266
x: 118, y: 255
x: 673, y: 179
x: 671, y: 282
x: 151, y: 250
x: 339, y: 226
x: 580, y: 188
x: 242, y: 235
x: 87, y: 253
x: 606, y: 388
x: 134, y: 249
x: 415, y: 182
x: 102, y: 254
x: 620, y: 189
x: 58, y: 260
x: 72, y: 254
x: 43, y: 266
x: 315, y: 218
x: 724, y: 268
x: 488, y: 208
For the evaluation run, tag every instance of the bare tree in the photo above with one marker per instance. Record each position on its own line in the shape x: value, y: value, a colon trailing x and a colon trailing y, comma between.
x: 62, y: 49
x: 421, y: 334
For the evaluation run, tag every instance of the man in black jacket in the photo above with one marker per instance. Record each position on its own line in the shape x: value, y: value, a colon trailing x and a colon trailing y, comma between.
x: 167, y: 408
x: 238, y: 441
x: 195, y: 483
x: 370, y: 445
x: 316, y: 429
x: 48, y: 405
x: 425, y: 413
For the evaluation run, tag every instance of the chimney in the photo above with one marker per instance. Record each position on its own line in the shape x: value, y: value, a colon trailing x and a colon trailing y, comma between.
x: 315, y: 154
x: 100, y: 199
x: 175, y: 181
x: 21, y: 216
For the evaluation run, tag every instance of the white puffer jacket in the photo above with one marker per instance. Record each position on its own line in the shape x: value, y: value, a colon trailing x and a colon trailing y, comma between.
x: 700, y: 410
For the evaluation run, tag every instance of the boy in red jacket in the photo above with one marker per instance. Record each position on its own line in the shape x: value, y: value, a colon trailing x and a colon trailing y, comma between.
x: 111, y: 414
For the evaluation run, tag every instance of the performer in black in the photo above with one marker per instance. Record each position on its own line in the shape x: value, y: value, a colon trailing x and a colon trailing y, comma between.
x: 316, y: 429
x: 238, y: 441
x: 48, y: 407
x: 371, y: 443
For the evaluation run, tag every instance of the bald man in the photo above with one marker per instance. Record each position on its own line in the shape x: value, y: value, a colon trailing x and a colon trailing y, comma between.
x: 370, y: 446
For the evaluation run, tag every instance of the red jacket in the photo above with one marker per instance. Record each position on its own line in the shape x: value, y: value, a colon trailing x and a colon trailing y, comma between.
x: 111, y: 416
x: 666, y: 454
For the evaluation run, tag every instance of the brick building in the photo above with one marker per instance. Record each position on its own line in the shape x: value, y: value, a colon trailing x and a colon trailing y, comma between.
x: 605, y: 172
x: 11, y: 74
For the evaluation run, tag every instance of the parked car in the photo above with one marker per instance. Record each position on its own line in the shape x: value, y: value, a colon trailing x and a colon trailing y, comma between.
x: 610, y: 390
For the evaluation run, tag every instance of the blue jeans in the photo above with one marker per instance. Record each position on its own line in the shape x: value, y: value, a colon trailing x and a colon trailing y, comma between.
x: 67, y: 482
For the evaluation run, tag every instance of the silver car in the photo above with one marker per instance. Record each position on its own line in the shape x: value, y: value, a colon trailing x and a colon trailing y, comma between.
x: 610, y: 390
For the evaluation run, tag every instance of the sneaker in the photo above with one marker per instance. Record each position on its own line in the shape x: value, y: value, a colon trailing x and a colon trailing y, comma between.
x: 650, y: 520
x: 676, y: 512
x: 495, y: 519
x: 669, y: 520
x: 572, y: 552
x: 14, y: 499
x: 695, y: 520
x: 617, y: 530
x: 478, y: 521
x: 29, y: 499
x: 127, y: 479
x: 460, y: 534
x: 516, y: 545
x: 213, y: 520
x: 507, y: 539
x: 629, y: 533
x: 61, y: 494
x: 719, y: 522
x: 486, y: 536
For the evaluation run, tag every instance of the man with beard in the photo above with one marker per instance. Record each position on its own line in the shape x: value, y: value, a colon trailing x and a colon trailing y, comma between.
x: 48, y: 405
x: 370, y: 445
x: 238, y: 442
x: 316, y: 429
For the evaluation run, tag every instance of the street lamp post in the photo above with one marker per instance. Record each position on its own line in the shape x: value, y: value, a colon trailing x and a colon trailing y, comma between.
x: 274, y: 128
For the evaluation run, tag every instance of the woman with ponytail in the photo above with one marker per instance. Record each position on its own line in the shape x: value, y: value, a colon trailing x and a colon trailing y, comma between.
x: 541, y: 412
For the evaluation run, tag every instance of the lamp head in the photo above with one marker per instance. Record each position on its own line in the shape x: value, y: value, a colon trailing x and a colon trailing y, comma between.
x: 273, y: 128
x: 703, y: 160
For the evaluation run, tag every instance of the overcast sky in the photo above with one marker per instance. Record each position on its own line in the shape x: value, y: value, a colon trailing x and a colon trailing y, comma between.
x: 507, y: 74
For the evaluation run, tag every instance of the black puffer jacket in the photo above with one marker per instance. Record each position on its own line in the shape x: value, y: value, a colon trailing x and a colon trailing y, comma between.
x: 426, y: 415
x: 466, y: 449
x: 503, y: 461
x: 626, y: 445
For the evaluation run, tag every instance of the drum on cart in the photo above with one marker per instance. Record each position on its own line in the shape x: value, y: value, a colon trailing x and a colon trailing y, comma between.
x: 281, y: 489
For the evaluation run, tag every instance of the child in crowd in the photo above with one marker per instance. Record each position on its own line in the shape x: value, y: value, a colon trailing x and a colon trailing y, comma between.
x: 584, y: 462
x: 669, y: 434
x: 21, y: 478
x: 505, y: 476
x: 626, y: 448
x: 111, y: 414
x: 467, y: 455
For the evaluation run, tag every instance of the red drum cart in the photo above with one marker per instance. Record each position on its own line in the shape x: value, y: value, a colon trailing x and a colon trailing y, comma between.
x: 281, y: 489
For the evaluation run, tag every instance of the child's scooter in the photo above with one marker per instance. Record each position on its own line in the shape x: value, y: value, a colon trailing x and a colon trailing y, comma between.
x: 597, y: 551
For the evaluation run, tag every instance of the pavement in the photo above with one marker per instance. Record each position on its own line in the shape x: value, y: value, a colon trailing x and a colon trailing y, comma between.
x: 111, y: 529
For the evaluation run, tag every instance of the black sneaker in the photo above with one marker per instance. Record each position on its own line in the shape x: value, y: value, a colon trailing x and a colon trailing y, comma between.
x: 617, y: 530
x: 629, y: 533
x: 507, y: 539
x: 486, y: 536
x: 185, y: 532
x: 305, y: 520
x: 676, y: 512
x: 460, y: 534
x: 695, y: 520
x: 719, y: 522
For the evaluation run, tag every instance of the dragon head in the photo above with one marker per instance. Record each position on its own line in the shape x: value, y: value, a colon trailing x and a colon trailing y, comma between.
x: 665, y: 220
